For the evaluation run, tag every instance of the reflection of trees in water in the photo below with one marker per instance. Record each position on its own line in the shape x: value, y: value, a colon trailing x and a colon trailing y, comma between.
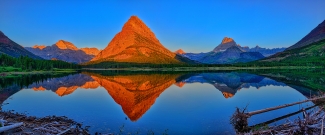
x: 11, y: 85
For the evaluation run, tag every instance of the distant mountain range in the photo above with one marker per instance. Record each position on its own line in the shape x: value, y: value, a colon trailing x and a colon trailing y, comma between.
x: 229, y: 52
x: 310, y: 49
x: 136, y: 43
x: 65, y: 51
x: 9, y: 47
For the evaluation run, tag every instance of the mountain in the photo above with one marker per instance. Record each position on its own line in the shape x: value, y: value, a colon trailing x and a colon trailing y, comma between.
x: 225, y: 44
x: 179, y: 51
x: 90, y: 51
x: 249, y: 56
x: 136, y: 43
x: 195, y: 56
x: 41, y: 47
x: 65, y: 45
x: 65, y: 51
x: 227, y: 52
x: 315, y: 35
x: 309, y: 50
x: 220, y: 55
x: 265, y: 51
x: 9, y: 47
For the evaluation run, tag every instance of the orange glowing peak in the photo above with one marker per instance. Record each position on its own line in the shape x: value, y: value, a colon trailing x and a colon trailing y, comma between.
x: 227, y: 40
x: 90, y: 51
x: 41, y: 47
x: 65, y: 45
x: 179, y: 51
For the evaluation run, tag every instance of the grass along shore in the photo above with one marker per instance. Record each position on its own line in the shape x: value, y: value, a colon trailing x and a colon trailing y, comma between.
x: 8, y: 71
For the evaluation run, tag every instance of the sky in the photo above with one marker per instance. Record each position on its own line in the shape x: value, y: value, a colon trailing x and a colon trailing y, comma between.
x: 194, y: 26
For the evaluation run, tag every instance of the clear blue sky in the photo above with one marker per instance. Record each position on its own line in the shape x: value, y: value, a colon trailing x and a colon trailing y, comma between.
x: 194, y: 26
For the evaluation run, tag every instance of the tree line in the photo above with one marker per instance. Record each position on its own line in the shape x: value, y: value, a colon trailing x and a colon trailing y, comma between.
x: 26, y: 63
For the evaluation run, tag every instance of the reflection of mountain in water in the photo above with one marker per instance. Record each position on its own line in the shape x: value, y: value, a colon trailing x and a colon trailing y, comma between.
x: 135, y: 93
x: 65, y: 85
x: 229, y: 83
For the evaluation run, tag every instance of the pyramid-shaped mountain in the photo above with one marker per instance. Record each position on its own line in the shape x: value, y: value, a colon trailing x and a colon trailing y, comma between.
x: 315, y: 35
x: 65, y: 51
x: 225, y: 44
x: 9, y: 47
x: 136, y: 43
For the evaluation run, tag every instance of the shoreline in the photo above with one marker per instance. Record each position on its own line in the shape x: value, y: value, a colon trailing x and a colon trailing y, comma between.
x: 198, y: 68
x: 5, y: 74
x: 40, y: 125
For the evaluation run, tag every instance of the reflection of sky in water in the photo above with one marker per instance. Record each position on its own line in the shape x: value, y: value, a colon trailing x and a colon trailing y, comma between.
x: 195, y: 108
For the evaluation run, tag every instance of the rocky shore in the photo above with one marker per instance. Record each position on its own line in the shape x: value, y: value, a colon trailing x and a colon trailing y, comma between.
x: 27, y: 125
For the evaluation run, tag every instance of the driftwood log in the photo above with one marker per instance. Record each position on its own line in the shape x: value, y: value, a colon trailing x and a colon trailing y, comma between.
x: 281, y: 106
x: 312, y: 123
x: 9, y: 127
x: 239, y: 119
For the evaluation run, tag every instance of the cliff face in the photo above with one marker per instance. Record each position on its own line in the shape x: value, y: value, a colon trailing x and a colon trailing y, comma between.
x: 136, y: 43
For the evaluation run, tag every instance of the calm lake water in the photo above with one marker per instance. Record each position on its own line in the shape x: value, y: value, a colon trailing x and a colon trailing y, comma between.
x: 173, y: 103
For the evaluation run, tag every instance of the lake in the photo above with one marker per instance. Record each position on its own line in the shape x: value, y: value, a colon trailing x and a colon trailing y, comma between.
x: 158, y: 102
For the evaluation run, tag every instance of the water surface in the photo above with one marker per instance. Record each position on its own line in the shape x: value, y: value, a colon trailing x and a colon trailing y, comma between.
x: 174, y: 103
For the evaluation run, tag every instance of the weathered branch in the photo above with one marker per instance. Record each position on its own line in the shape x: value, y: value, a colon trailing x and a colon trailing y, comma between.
x: 281, y: 106
x: 5, y: 128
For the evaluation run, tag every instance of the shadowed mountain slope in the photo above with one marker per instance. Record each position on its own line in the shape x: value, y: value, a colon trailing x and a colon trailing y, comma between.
x: 11, y: 48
